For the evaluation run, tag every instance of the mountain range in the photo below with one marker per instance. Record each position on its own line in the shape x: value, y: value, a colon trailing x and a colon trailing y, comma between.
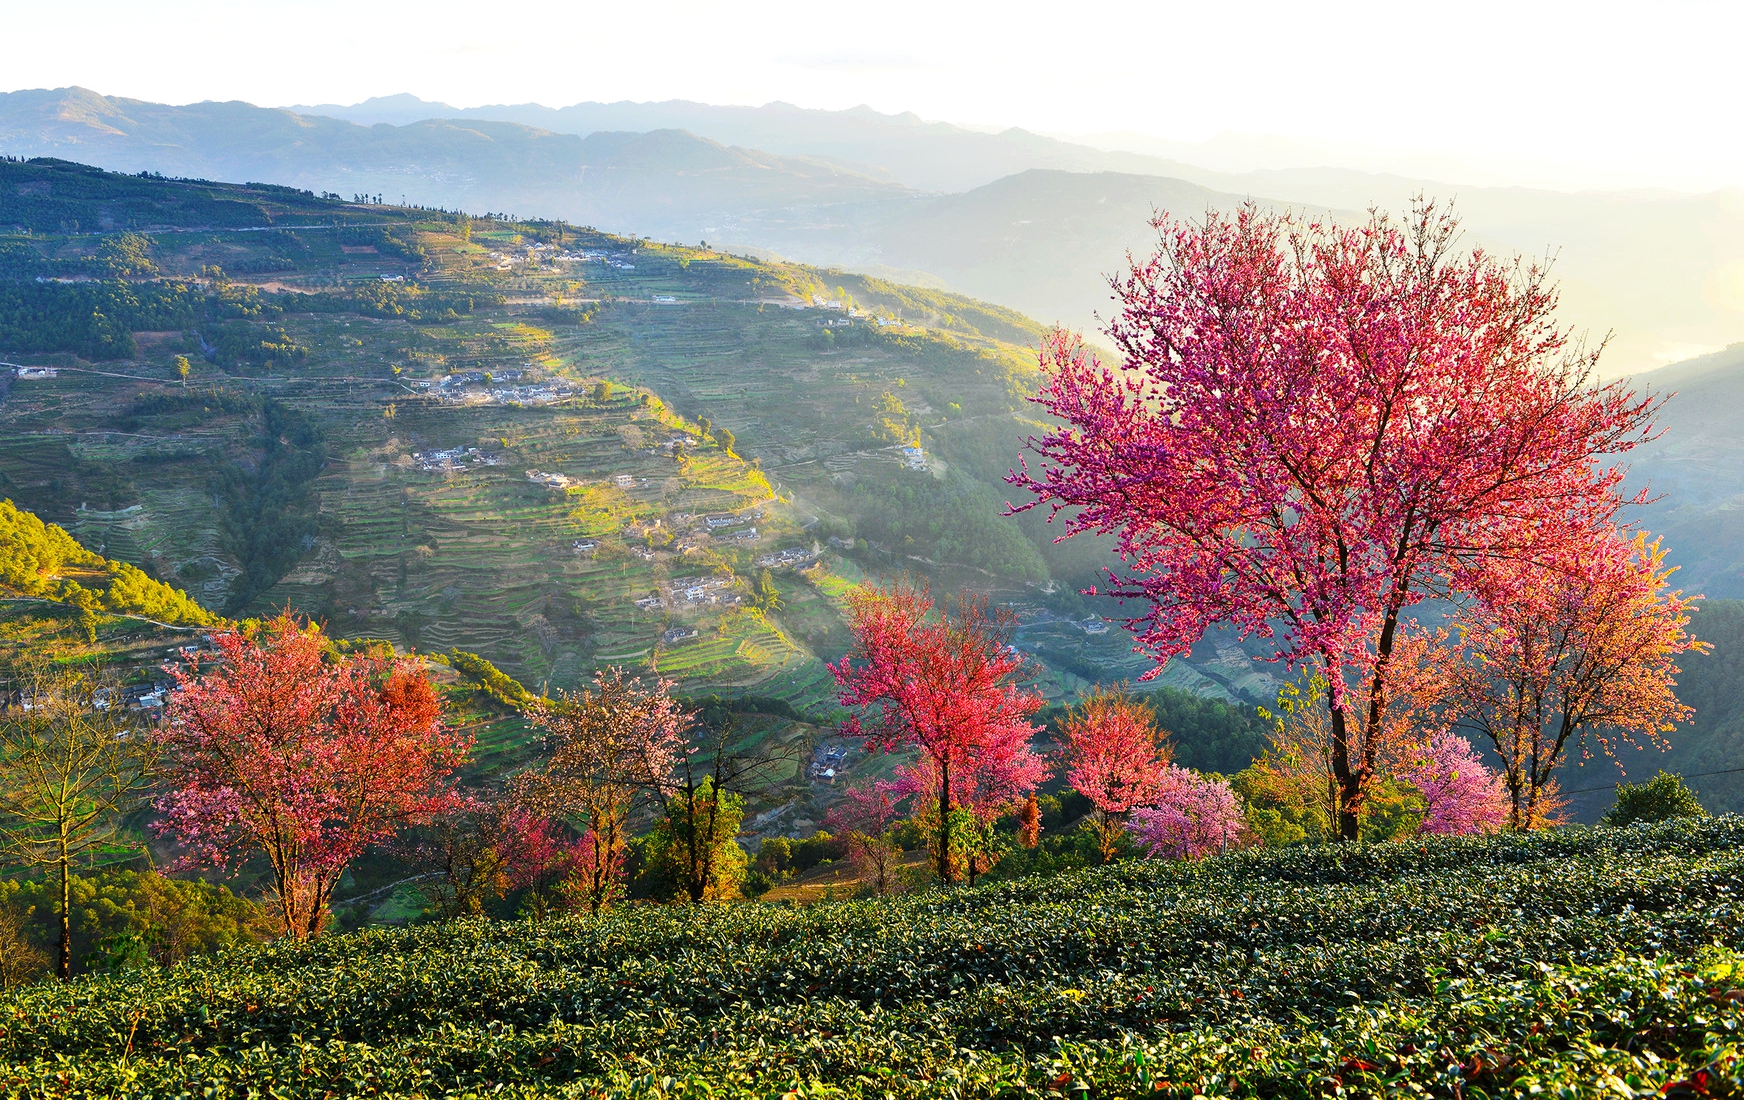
x: 1030, y: 221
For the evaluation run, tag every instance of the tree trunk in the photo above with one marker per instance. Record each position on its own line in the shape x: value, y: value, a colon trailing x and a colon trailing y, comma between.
x: 945, y: 820
x: 705, y: 851
x: 1349, y: 784
x: 65, y: 965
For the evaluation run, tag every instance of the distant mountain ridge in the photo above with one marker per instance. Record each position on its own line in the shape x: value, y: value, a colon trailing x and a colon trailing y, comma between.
x: 1696, y: 468
x: 629, y: 182
x: 927, y: 156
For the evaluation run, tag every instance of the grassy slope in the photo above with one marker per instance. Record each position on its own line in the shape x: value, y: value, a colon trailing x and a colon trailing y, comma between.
x: 1582, y: 963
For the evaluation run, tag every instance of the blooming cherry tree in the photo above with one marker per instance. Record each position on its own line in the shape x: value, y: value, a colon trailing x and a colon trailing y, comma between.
x: 1189, y: 816
x: 1463, y: 795
x: 945, y: 682
x: 1318, y: 427
x: 1586, y: 645
x: 1114, y: 756
x: 614, y: 742
x: 274, y: 749
x: 866, y: 814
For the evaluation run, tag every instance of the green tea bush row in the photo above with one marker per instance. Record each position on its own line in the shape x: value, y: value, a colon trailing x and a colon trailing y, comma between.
x: 1584, y: 962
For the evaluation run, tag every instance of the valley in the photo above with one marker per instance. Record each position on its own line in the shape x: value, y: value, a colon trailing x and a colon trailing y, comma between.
x: 909, y: 552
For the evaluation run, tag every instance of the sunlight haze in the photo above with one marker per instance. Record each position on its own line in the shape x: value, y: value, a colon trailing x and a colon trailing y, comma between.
x: 1600, y: 95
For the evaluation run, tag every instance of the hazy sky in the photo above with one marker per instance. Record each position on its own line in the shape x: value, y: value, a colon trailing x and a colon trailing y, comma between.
x: 1594, y: 93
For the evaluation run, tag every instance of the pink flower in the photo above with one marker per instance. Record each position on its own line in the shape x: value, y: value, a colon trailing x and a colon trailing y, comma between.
x: 1463, y: 795
x: 1189, y: 816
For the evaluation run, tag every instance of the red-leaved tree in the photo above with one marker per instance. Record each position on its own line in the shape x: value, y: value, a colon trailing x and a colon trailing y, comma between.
x: 275, y: 749
x: 1318, y: 427
x: 945, y: 681
x: 546, y: 863
x: 1115, y: 757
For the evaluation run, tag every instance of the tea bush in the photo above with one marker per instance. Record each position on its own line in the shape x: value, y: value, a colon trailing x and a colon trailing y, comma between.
x: 1588, y: 962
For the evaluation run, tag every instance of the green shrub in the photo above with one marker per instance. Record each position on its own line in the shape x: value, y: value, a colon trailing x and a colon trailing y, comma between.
x: 124, y: 919
x: 1662, y: 798
x: 491, y: 680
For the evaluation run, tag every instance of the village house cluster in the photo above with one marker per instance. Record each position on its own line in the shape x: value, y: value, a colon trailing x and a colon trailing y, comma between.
x: 454, y: 459
x: 550, y: 480
x: 479, y: 387
x: 829, y: 760
x: 792, y: 556
x: 709, y: 590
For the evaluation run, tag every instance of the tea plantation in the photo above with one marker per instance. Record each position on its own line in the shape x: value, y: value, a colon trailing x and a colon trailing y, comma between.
x: 1601, y: 962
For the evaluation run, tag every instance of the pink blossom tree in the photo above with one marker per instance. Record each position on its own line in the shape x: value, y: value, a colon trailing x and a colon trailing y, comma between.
x: 274, y: 749
x: 1318, y: 427
x: 1463, y: 795
x: 1114, y: 756
x: 1189, y: 816
x: 945, y: 682
x: 613, y: 745
x: 866, y: 814
x: 541, y: 860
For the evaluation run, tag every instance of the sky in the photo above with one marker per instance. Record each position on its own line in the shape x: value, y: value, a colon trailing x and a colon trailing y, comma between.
x: 1593, y: 94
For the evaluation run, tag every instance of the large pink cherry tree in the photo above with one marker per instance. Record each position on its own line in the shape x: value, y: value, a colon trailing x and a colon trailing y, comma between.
x: 945, y: 681
x: 277, y: 749
x: 1317, y: 427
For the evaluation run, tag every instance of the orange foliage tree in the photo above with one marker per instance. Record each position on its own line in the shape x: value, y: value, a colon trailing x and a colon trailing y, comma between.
x: 1589, y: 645
x: 1115, y: 757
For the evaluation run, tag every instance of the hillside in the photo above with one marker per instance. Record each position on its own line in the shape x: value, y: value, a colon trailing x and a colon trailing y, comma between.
x: 1033, y: 222
x: 1581, y: 963
x: 488, y: 435
x: 1696, y: 470
x: 42, y: 562
x: 464, y: 433
x: 362, y: 447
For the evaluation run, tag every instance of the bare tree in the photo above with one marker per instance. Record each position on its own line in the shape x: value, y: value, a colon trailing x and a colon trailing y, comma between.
x: 704, y: 798
x: 72, y: 763
x: 464, y: 848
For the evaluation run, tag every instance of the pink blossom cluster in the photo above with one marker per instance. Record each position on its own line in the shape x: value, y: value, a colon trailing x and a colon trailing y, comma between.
x: 1189, y: 816
x: 1463, y: 795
